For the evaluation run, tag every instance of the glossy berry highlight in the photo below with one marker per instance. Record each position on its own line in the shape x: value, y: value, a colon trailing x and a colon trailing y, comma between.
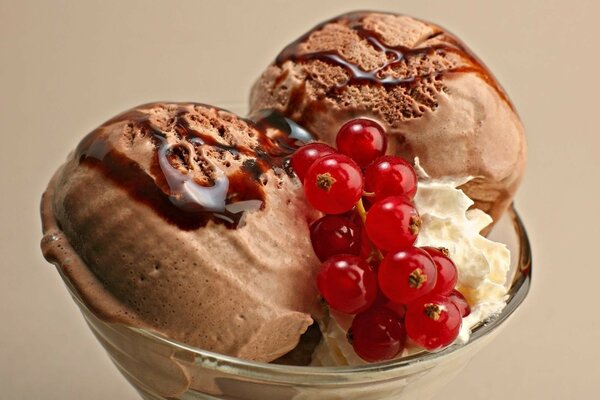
x: 332, y: 235
x: 377, y: 335
x: 393, y: 223
x: 433, y: 322
x: 333, y: 184
x: 347, y: 283
x: 362, y: 139
x: 447, y: 274
x: 406, y: 275
x: 306, y: 155
x: 459, y: 300
x: 390, y: 176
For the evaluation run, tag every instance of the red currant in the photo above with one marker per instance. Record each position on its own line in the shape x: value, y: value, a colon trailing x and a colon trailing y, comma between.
x: 332, y: 234
x: 333, y: 184
x: 362, y: 139
x: 407, y: 275
x: 305, y: 156
x: 396, y: 308
x: 393, y: 223
x: 447, y: 274
x: 377, y: 335
x: 433, y: 322
x: 390, y: 176
x: 347, y: 283
x: 366, y: 248
x: 459, y: 300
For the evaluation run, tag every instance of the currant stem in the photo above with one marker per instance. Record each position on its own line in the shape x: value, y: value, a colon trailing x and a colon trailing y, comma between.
x: 368, y: 194
x: 375, y: 254
x: 360, y: 208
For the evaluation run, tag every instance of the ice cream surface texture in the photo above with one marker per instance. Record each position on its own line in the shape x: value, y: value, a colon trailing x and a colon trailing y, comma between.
x: 436, y: 100
x: 184, y: 219
x: 483, y: 265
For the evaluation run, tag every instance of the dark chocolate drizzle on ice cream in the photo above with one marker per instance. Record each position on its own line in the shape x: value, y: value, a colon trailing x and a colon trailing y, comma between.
x: 389, y: 72
x: 170, y: 186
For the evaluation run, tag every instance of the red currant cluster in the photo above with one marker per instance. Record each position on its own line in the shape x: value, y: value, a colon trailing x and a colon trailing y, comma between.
x: 371, y: 268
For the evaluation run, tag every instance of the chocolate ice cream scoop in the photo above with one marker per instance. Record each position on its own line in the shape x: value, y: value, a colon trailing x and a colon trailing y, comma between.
x: 184, y: 219
x: 434, y: 97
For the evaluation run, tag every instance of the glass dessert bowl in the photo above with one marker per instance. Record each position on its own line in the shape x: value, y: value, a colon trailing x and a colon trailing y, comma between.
x: 161, y: 368
x: 177, y: 223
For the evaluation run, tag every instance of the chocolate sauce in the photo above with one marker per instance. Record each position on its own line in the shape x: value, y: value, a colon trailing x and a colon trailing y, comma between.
x: 170, y: 190
x: 252, y: 168
x: 394, y: 56
x: 288, y: 134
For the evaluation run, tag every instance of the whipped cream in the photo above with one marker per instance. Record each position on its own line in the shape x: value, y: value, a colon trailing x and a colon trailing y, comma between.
x: 483, y: 265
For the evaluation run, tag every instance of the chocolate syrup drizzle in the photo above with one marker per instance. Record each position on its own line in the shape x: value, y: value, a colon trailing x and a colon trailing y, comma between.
x: 175, y: 195
x: 394, y: 56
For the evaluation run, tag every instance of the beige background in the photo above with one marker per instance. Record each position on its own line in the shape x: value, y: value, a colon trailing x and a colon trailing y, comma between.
x: 66, y: 66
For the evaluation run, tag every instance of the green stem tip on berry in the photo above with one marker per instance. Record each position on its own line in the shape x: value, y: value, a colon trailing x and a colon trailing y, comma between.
x: 325, y: 181
x: 415, y: 225
x: 417, y: 278
x: 433, y: 311
x: 349, y: 336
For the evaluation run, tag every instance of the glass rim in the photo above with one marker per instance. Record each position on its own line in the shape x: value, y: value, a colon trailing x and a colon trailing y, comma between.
x: 293, y: 374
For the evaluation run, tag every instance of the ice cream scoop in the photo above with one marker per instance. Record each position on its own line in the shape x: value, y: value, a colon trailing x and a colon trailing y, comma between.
x: 435, y: 98
x: 185, y: 219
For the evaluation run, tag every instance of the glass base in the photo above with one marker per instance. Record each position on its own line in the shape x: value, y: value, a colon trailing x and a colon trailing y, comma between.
x: 162, y: 369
